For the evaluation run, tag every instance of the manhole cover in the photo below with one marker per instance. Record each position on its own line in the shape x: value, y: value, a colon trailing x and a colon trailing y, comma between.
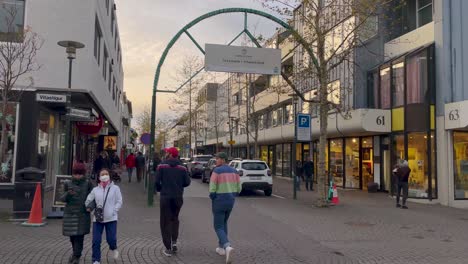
x: 418, y: 237
x: 430, y: 230
x: 359, y: 224
x: 447, y: 240
x: 405, y: 227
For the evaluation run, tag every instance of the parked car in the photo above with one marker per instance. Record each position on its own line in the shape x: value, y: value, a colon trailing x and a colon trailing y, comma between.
x: 254, y: 175
x: 207, y: 170
x: 184, y: 161
x: 195, y: 165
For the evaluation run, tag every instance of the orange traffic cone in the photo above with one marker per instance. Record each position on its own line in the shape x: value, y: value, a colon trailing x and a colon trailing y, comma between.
x: 335, y: 200
x: 35, y: 216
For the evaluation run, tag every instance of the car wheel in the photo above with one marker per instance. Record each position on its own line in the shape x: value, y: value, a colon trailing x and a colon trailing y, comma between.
x: 268, y: 192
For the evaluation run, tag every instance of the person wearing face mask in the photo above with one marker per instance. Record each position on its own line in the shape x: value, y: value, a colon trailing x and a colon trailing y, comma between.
x: 107, y: 196
x: 76, y: 219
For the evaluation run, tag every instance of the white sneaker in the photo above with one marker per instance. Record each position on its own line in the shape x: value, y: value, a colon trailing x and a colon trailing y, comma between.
x: 96, y: 262
x: 229, y: 255
x: 220, y: 251
x: 115, y: 254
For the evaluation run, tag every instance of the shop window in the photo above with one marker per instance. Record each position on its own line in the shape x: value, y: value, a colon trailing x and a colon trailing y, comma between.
x: 460, y: 164
x: 336, y: 161
x: 279, y: 160
x: 398, y: 148
x: 334, y: 92
x: 398, y: 91
x: 260, y: 122
x: 385, y: 88
x: 264, y: 153
x: 8, y: 162
x: 416, y: 78
x: 352, y: 163
x: 419, y: 165
x: 287, y: 160
x: 367, y: 150
x: 434, y: 166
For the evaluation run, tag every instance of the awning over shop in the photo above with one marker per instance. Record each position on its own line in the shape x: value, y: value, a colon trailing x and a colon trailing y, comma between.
x: 456, y: 115
x: 360, y: 122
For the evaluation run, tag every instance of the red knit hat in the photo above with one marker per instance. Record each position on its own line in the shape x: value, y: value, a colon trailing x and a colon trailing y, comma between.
x: 173, y: 151
x: 79, y: 168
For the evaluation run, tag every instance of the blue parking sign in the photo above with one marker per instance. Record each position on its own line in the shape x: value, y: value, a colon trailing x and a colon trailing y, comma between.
x: 303, y: 127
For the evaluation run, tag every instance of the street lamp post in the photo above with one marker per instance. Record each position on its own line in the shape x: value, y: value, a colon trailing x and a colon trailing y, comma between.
x: 294, y: 98
x: 71, y: 47
x: 231, y: 120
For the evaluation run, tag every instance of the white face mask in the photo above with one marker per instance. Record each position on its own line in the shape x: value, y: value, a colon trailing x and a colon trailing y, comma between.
x: 104, y: 178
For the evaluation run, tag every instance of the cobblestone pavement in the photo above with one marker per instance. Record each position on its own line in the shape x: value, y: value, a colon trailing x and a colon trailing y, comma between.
x: 363, y: 229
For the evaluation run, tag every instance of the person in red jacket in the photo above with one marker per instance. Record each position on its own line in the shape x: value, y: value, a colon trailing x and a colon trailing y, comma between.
x: 130, y: 164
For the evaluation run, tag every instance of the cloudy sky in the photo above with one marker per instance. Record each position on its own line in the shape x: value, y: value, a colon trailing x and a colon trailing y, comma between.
x: 147, y: 26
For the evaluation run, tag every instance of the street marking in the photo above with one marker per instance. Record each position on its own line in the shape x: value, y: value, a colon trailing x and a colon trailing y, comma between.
x: 277, y: 196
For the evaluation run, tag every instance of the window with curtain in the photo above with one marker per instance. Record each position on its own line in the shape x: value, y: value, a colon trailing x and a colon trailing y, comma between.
x: 385, y: 88
x: 398, y: 91
x: 416, y: 78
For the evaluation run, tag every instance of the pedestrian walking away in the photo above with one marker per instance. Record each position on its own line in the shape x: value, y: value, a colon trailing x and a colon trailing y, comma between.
x: 76, y: 219
x: 130, y: 163
x: 140, y: 163
x: 403, y: 174
x: 224, y: 188
x: 309, y: 174
x: 106, y: 200
x: 102, y: 162
x: 115, y: 160
x: 171, y: 179
x: 298, y: 171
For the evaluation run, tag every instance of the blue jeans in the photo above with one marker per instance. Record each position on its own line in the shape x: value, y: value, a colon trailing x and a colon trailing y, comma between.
x: 221, y: 215
x: 111, y: 237
x: 129, y: 172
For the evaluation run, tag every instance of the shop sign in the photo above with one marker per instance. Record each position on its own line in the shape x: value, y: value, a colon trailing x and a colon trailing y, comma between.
x: 456, y: 115
x: 51, y: 98
x: 231, y: 142
x: 90, y: 128
x: 59, y: 189
x: 129, y: 146
x: 199, y: 143
x: 303, y: 128
x: 223, y: 58
x: 79, y: 113
x: 104, y: 131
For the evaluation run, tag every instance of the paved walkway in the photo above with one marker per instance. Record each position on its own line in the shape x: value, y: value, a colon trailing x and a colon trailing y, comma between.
x: 266, y: 230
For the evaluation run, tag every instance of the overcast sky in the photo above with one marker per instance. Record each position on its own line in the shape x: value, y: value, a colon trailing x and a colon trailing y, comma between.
x: 147, y: 26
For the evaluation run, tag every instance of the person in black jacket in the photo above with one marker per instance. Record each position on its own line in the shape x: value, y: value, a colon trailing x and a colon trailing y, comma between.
x: 171, y: 179
x: 102, y: 162
x: 140, y: 163
x: 309, y: 174
x: 76, y: 219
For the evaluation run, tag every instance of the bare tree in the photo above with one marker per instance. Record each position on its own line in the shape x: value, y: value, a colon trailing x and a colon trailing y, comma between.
x: 18, y: 50
x: 186, y: 96
x: 330, y: 30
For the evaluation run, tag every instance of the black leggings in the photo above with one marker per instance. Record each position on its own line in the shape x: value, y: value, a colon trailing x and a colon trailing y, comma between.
x: 77, y: 244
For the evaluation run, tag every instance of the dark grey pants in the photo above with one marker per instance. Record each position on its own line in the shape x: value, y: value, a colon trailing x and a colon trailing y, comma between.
x: 402, y: 186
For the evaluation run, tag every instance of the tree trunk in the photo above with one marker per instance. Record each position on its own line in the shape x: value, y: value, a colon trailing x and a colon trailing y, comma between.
x: 323, y: 105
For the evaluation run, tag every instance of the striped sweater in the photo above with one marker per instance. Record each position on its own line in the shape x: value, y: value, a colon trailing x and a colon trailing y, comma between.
x: 224, y: 183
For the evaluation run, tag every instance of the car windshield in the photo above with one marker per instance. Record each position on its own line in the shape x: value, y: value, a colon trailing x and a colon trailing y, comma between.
x: 254, y: 166
x: 202, y: 158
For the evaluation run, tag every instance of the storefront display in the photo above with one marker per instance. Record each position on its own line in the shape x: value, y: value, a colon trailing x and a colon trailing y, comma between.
x: 336, y: 161
x: 8, y: 156
x: 352, y: 163
x: 460, y: 164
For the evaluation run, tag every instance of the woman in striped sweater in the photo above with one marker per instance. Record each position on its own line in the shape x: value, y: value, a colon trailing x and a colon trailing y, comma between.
x: 224, y: 187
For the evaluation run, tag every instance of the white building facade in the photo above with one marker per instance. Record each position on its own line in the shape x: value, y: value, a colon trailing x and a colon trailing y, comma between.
x: 96, y: 89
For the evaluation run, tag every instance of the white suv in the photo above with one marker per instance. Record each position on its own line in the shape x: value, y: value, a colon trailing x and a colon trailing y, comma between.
x: 254, y: 175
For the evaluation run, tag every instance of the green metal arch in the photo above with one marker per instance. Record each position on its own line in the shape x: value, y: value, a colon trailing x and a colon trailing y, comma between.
x: 203, y: 17
x: 246, y: 11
